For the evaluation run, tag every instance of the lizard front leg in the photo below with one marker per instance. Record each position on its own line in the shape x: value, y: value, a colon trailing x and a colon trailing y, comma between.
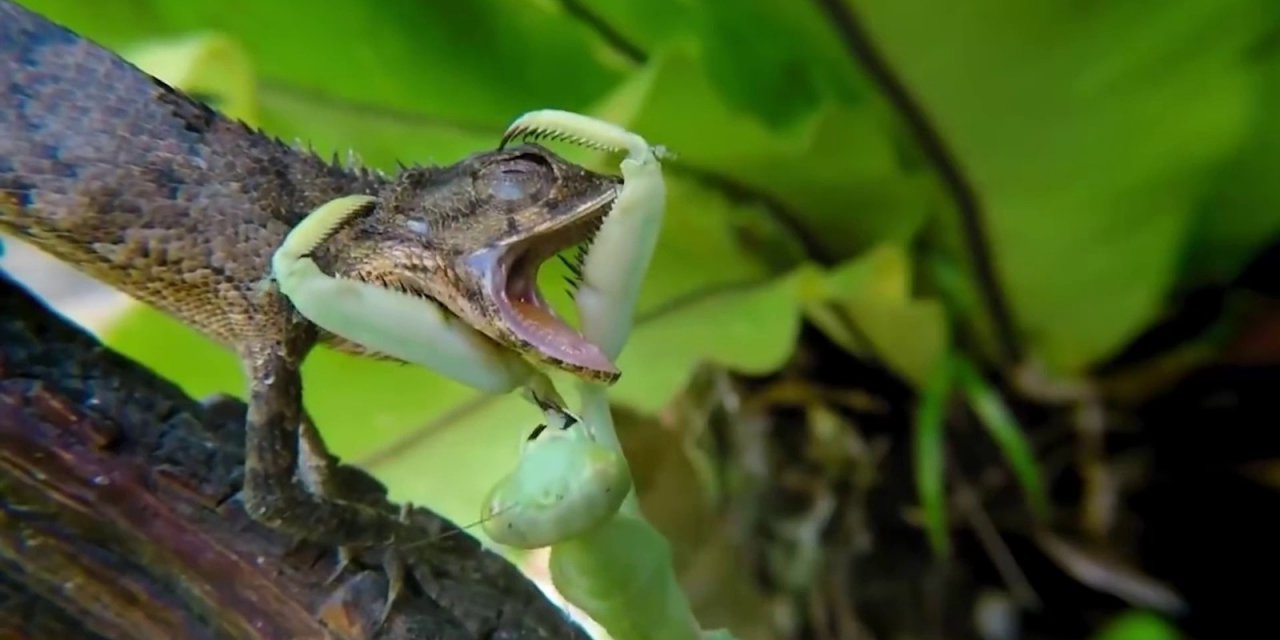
x: 290, y: 475
x: 275, y: 493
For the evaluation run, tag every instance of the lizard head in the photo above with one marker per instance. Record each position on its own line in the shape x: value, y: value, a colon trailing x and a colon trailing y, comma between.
x: 472, y: 236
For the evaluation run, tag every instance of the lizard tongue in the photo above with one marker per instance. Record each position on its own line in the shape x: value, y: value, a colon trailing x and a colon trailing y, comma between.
x: 534, y: 321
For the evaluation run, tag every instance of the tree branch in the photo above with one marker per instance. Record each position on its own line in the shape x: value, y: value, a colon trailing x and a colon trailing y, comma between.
x: 119, y: 520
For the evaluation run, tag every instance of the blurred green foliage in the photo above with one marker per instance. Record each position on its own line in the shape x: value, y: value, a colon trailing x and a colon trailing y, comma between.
x: 1138, y: 625
x: 1117, y: 150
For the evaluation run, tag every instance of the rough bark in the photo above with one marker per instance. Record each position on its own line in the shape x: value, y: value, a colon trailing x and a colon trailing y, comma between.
x: 119, y: 519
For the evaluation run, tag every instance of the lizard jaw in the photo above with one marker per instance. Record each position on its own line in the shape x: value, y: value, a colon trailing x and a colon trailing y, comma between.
x: 510, y: 274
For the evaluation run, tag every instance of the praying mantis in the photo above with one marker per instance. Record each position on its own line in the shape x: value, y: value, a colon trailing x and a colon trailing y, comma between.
x: 571, y: 489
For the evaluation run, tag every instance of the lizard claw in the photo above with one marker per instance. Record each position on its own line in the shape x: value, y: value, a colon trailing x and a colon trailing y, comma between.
x: 318, y: 469
x: 394, y: 566
x: 345, y: 555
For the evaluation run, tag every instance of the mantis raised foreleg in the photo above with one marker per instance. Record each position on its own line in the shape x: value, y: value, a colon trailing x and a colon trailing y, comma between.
x: 572, y: 488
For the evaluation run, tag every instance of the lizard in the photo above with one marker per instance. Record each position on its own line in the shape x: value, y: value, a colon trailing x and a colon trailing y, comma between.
x: 157, y: 194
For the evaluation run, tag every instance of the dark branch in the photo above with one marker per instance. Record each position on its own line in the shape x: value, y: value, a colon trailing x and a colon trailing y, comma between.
x: 119, y: 519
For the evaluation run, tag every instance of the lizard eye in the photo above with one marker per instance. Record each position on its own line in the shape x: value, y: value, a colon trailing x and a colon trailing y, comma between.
x: 519, y: 178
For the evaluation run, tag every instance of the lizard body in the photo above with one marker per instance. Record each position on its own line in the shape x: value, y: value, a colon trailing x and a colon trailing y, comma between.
x: 142, y: 187
x: 147, y: 190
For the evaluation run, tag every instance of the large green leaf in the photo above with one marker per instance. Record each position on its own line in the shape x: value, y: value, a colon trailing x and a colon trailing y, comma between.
x: 835, y: 172
x: 1243, y: 214
x: 209, y: 65
x: 867, y: 306
x: 779, y: 61
x: 467, y: 62
x: 697, y: 251
x: 750, y: 329
x: 1138, y: 625
x: 643, y: 25
x: 1088, y: 131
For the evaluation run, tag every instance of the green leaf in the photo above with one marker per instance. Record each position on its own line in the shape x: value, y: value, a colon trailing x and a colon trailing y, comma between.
x: 201, y: 367
x: 451, y: 460
x: 751, y: 330
x: 775, y: 60
x: 642, y: 24
x: 380, y: 138
x: 779, y: 61
x: 470, y: 62
x: 998, y: 420
x: 1088, y: 132
x: 866, y: 306
x: 835, y: 172
x: 209, y: 65
x: 1243, y: 213
x: 698, y: 249
x: 929, y: 454
x: 217, y: 68
x: 1138, y: 625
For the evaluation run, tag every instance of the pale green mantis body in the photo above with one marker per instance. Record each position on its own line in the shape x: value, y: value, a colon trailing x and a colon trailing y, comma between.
x: 572, y: 488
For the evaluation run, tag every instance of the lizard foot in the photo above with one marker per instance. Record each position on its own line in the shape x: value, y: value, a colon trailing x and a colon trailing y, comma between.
x: 346, y: 555
x: 324, y: 475
x: 393, y: 566
x: 396, y: 569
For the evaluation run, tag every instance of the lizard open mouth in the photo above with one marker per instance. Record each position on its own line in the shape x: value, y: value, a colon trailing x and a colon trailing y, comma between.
x: 511, y: 275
